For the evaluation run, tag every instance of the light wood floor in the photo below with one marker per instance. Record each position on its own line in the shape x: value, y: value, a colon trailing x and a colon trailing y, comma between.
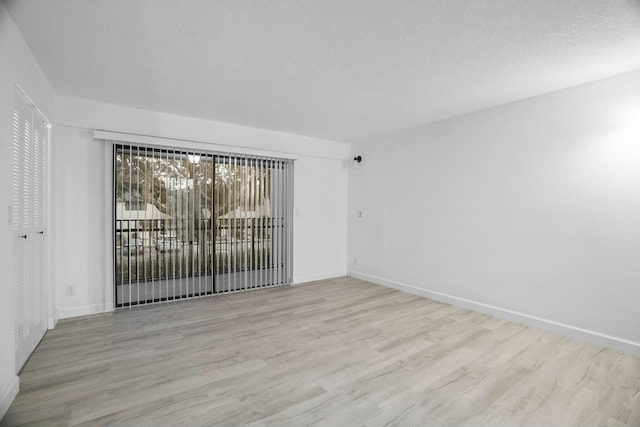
x: 334, y: 353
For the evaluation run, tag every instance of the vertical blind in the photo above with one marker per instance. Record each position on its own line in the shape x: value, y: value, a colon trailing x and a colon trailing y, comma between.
x: 194, y: 223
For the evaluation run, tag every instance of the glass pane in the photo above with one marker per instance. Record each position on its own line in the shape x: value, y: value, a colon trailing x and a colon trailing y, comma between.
x: 182, y: 219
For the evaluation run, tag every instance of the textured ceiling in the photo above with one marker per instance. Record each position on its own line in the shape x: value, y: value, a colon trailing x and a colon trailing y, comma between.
x: 336, y: 69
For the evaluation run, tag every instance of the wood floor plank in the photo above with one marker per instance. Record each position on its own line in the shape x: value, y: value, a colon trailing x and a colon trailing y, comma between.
x: 333, y: 352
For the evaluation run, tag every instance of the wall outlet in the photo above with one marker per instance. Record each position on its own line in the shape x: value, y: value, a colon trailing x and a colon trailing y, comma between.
x: 355, y: 260
x: 359, y: 214
x: 70, y: 290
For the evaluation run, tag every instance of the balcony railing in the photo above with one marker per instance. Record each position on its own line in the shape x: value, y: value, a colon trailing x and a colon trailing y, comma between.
x: 148, y: 254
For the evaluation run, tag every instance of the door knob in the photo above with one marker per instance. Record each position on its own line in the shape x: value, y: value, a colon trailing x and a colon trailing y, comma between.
x: 24, y: 236
x: 41, y: 232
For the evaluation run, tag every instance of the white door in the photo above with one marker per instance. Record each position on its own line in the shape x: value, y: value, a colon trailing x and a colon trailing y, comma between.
x: 29, y: 215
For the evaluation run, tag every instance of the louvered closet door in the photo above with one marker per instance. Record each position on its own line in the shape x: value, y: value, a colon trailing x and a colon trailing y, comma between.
x: 29, y: 207
x: 40, y: 161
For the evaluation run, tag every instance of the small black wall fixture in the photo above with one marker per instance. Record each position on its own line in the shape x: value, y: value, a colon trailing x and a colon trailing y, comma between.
x: 357, y: 159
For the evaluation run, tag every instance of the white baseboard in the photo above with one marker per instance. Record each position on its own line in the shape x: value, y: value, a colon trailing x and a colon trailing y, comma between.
x: 85, y: 310
x: 8, y: 394
x: 53, y: 320
x: 570, y: 331
x: 299, y: 280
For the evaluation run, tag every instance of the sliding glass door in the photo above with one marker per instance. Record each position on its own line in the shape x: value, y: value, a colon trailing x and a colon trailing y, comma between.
x: 188, y: 223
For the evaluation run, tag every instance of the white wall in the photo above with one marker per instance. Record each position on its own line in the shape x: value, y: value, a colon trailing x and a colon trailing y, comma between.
x: 82, y: 199
x: 80, y: 207
x: 98, y: 115
x: 17, y: 65
x: 530, y: 211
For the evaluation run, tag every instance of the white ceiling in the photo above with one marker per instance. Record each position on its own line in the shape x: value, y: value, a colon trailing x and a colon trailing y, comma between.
x: 335, y: 69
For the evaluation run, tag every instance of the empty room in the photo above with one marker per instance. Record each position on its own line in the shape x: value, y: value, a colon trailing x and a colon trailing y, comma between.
x: 320, y: 212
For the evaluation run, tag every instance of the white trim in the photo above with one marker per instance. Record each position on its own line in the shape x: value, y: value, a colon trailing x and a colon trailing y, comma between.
x: 8, y: 394
x: 52, y: 296
x: 30, y: 102
x: 85, y: 310
x: 182, y: 143
x: 53, y: 320
x: 570, y: 331
x: 302, y: 280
